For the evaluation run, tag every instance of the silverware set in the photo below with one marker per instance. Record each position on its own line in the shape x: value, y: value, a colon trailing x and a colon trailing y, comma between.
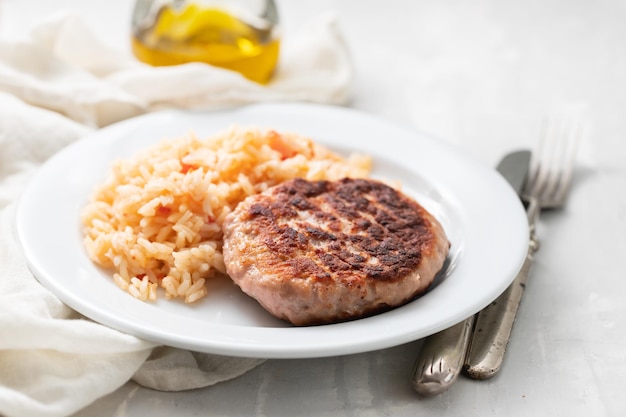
x: 477, y: 345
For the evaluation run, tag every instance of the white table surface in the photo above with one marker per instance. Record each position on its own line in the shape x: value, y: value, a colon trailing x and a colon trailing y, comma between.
x: 479, y: 74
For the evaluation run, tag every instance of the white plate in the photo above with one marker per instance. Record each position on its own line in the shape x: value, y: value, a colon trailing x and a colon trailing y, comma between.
x: 482, y: 216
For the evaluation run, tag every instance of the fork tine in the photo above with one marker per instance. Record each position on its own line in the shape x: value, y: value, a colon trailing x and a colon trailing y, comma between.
x: 557, y: 158
x: 552, y: 164
x: 540, y: 160
x: 573, y: 136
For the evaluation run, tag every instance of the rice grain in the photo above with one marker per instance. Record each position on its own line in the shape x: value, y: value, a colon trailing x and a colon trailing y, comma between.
x: 157, y: 219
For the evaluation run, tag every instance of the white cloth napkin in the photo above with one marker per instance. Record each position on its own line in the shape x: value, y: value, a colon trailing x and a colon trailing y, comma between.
x: 57, y: 85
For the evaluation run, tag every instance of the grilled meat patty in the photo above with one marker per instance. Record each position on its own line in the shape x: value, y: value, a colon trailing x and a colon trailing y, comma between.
x: 315, y: 252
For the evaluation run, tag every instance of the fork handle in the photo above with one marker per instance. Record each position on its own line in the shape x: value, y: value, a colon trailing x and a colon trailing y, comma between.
x: 494, y: 323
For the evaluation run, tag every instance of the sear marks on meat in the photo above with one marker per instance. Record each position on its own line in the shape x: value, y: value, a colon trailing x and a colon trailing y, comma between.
x: 316, y: 252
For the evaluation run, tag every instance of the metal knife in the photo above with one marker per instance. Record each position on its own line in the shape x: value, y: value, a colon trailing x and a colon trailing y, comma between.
x: 443, y: 355
x: 493, y: 325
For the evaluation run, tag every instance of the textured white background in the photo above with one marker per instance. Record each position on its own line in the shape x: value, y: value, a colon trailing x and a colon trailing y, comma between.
x: 479, y: 74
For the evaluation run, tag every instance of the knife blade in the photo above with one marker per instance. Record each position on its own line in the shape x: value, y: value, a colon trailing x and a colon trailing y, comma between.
x: 443, y: 354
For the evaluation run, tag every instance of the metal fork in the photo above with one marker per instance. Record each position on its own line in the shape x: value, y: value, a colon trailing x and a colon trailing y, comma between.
x: 550, y: 179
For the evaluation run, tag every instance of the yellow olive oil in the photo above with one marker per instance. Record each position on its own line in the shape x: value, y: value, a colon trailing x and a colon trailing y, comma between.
x: 198, y: 34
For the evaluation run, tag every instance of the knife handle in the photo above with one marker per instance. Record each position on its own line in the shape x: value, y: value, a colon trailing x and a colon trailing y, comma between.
x: 441, y: 359
x: 495, y: 322
x: 493, y: 327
